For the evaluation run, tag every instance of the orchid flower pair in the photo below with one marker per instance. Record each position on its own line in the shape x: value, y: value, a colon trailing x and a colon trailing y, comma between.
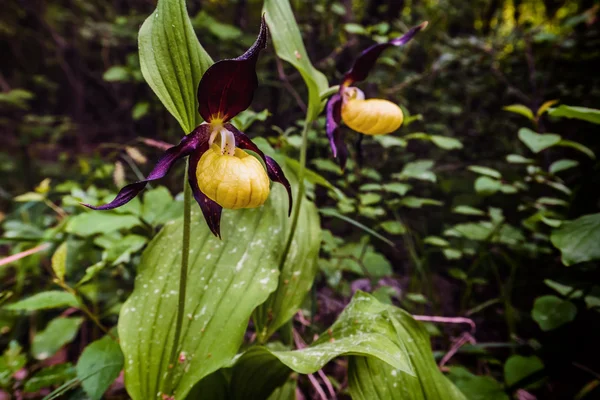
x: 369, y: 117
x: 221, y: 173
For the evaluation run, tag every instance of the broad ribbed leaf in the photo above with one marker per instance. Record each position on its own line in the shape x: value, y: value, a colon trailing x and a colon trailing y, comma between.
x: 371, y: 379
x: 227, y: 280
x: 365, y: 328
x: 173, y: 61
x: 287, y: 40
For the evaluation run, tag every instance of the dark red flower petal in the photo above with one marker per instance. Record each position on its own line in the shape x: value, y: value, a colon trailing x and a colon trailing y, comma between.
x: 187, y: 145
x: 228, y: 86
x: 210, y: 209
x: 273, y: 169
x: 365, y: 62
x: 334, y: 133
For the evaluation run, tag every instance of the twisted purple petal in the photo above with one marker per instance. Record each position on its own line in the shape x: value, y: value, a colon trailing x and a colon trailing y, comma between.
x: 228, y: 86
x: 365, y: 62
x: 187, y: 145
x: 210, y: 209
x: 273, y: 169
x: 334, y: 133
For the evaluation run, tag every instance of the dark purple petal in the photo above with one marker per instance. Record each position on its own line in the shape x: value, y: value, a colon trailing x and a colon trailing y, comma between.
x: 365, y: 62
x: 334, y: 133
x: 187, y: 145
x: 228, y: 86
x: 210, y: 209
x: 273, y: 169
x: 276, y: 175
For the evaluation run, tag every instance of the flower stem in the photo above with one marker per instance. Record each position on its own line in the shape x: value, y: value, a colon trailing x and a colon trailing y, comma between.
x: 299, y: 194
x: 183, y: 273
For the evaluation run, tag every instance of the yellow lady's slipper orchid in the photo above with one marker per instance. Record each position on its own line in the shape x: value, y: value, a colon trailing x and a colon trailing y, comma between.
x: 222, y: 176
x: 232, y: 181
x: 371, y: 116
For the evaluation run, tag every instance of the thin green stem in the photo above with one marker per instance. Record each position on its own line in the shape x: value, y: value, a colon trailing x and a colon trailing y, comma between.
x: 329, y: 92
x: 183, y: 273
x: 299, y: 194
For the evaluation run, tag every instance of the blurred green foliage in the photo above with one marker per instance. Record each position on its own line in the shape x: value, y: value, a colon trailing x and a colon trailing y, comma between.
x: 474, y: 208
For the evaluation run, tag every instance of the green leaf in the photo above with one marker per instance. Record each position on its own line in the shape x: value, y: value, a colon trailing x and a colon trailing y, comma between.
x: 452, y: 254
x: 521, y: 110
x: 562, y: 165
x: 95, y: 222
x: 122, y: 248
x: 160, y: 207
x: 220, y: 30
x: 536, y: 141
x: 173, y: 61
x: 246, y: 118
x: 214, y: 387
x: 355, y: 29
x: 140, y: 110
x: 11, y: 361
x: 98, y: 366
x: 370, y: 378
x: 365, y: 328
x: 577, y: 146
x: 473, y: 231
x: 16, y: 97
x: 436, y: 241
x: 52, y: 375
x: 59, y: 261
x: 578, y: 239
x: 446, y: 143
x: 362, y: 259
x: 477, y: 387
x: 518, y: 367
x: 467, y: 210
x: 551, y: 312
x: 564, y: 290
x: 393, y: 227
x: 518, y: 159
x: 388, y: 141
x: 285, y: 392
x: 487, y: 186
x: 397, y: 188
x: 30, y: 196
x: 545, y: 107
x: 288, y: 44
x: 418, y: 202
x: 59, y: 332
x: 418, y: 170
x: 367, y: 199
x: 227, y: 280
x: 327, y: 165
x: 492, y: 173
x: 91, y: 272
x: 586, y: 114
x: 45, y: 300
x: 116, y: 73
x: 443, y: 142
